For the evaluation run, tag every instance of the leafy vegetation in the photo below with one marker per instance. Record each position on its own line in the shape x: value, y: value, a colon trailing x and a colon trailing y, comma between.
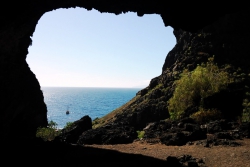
x: 140, y: 134
x: 68, y: 125
x: 51, y: 131
x: 159, y: 86
x: 48, y: 133
x: 206, y: 115
x: 193, y: 86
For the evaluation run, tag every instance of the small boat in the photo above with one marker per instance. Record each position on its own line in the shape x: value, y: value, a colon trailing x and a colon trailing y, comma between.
x: 67, y: 112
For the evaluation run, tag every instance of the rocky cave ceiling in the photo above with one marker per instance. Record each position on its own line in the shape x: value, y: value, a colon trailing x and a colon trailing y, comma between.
x: 186, y: 15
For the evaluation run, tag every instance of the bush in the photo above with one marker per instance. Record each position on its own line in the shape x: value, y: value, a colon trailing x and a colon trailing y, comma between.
x: 206, y: 115
x: 140, y: 134
x: 48, y: 133
x: 194, y: 86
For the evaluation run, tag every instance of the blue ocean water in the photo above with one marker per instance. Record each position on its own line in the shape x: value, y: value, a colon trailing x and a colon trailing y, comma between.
x: 81, y: 101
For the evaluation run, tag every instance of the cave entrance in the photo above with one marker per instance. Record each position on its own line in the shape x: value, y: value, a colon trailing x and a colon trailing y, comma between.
x: 79, y: 48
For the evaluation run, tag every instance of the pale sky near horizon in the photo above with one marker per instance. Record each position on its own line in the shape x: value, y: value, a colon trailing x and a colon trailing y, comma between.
x: 79, y: 48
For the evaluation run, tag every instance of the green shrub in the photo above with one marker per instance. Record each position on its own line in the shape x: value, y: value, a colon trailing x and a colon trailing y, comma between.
x: 193, y: 87
x: 68, y: 125
x: 140, y: 134
x: 48, y: 133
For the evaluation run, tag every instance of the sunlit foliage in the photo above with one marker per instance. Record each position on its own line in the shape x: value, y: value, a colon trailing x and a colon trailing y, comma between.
x: 193, y: 86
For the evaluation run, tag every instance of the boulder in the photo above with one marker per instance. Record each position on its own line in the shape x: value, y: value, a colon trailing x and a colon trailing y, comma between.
x: 71, y: 134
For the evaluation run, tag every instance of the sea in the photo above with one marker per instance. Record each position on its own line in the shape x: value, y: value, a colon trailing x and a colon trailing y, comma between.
x: 81, y: 101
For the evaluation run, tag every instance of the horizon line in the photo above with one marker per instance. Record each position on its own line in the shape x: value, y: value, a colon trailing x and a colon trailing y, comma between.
x: 93, y: 87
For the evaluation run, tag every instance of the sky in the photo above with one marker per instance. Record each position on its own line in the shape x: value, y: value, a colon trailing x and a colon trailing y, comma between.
x: 79, y: 48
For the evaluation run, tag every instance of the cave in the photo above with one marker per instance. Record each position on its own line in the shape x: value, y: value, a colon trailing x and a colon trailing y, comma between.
x: 104, y: 45
x: 22, y: 103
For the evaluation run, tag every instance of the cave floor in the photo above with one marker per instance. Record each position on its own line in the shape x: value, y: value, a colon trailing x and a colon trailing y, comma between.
x: 138, y: 153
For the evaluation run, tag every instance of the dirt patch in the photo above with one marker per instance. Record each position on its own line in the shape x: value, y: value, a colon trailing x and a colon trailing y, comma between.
x: 221, y: 156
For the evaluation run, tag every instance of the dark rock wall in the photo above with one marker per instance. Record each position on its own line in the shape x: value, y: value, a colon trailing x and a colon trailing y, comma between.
x: 22, y: 106
x: 21, y: 101
x: 226, y: 39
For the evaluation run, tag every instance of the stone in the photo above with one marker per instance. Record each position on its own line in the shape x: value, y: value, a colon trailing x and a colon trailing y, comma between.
x: 108, y: 134
x: 72, y: 133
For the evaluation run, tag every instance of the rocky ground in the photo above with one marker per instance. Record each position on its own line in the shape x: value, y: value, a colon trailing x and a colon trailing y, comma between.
x: 168, y: 132
x: 165, y: 143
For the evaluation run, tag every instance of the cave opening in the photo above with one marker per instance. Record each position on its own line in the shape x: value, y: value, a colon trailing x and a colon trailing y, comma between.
x: 76, y: 48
